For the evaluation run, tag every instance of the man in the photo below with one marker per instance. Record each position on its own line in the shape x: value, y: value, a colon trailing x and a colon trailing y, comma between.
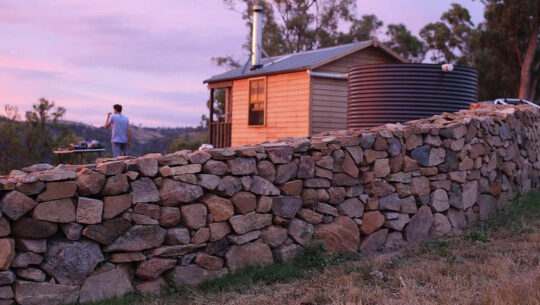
x: 121, y: 132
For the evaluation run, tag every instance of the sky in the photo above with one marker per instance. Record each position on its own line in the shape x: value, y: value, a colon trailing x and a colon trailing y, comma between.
x: 149, y: 56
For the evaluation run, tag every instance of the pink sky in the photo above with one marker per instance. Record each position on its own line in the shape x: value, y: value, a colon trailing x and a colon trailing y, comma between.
x: 149, y: 56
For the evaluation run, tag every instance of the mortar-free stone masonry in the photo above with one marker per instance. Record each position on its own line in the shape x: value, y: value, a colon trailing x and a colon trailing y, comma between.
x: 85, y: 233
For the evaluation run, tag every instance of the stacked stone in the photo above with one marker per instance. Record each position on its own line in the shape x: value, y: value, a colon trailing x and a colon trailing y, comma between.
x: 67, y: 233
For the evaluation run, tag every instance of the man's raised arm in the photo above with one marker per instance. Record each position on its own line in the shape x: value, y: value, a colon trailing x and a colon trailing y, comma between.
x: 107, y: 122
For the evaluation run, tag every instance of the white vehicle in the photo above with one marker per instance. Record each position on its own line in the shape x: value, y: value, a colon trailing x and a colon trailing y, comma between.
x: 512, y: 101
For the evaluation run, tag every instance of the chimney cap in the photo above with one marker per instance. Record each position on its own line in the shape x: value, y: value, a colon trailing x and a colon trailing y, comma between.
x: 257, y: 8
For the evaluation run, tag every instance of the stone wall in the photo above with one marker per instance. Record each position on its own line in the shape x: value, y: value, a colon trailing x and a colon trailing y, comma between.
x: 67, y: 233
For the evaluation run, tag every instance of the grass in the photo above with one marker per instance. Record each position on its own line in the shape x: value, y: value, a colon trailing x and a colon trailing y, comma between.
x: 495, y: 262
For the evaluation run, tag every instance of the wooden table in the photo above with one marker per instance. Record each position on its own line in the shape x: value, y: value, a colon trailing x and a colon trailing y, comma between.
x: 78, y: 152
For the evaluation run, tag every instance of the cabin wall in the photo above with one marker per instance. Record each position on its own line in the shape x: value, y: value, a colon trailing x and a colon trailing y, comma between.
x: 329, y: 97
x: 287, y: 109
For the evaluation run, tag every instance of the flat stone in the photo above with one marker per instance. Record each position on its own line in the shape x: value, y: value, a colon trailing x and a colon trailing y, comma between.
x: 62, y: 211
x: 127, y: 257
x: 419, y: 225
x: 408, y: 205
x: 31, y: 228
x: 374, y: 241
x: 381, y: 168
x: 244, y: 238
x: 266, y: 170
x: 420, y: 186
x: 58, y: 190
x: 317, y: 183
x: 193, y: 275
x: 222, y: 153
x: 111, y: 168
x: 219, y: 230
x: 264, y: 187
x: 201, y: 236
x: 89, y: 210
x: 31, y: 245
x: 306, y: 167
x: 89, y: 182
x: 286, y: 172
x: 242, y: 224
x: 209, y: 262
x: 138, y: 238
x: 219, y: 208
x: 98, y: 287
x: 169, y: 217
x: 34, y: 293
x: 178, y: 250
x: 70, y: 262
x: 25, y: 259
x: 248, y: 254
x: 214, y: 167
x: 310, y: 216
x: 301, y: 232
x: 31, y: 274
x: 57, y: 174
x: 173, y: 192
x: 390, y: 202
x: 144, y: 190
x: 341, y: 235
x: 193, y: 216
x: 342, y: 179
x: 115, y: 205
x: 380, y: 188
x: 39, y: 167
x: 15, y: 204
x: 186, y: 169
x: 154, y: 267
x: 436, y: 156
x: 371, y: 222
x: 107, y: 231
x: 7, y: 253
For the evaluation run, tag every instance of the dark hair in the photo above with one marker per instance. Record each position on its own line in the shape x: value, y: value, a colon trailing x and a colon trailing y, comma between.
x: 118, y: 108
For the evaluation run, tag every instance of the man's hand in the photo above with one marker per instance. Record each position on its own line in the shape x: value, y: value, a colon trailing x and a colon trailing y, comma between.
x: 109, y: 114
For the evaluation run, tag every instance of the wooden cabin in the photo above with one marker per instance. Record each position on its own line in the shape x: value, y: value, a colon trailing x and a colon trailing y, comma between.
x: 294, y: 95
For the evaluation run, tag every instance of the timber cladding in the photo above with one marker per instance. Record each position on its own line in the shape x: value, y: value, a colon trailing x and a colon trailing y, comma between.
x: 286, y: 113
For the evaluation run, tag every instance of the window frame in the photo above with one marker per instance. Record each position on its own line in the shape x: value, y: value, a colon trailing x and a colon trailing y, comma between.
x: 265, y: 100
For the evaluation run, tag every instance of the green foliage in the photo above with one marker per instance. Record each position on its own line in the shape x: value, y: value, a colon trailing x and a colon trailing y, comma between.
x: 438, y: 247
x: 404, y: 43
x: 33, y: 140
x: 476, y: 236
x: 188, y: 141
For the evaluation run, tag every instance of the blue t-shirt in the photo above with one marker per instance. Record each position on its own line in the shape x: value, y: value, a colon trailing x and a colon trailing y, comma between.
x: 120, y: 125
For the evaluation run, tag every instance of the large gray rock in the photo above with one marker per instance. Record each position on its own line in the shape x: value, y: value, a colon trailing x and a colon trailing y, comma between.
x: 352, y: 207
x: 229, y: 185
x: 138, y: 238
x: 70, y: 262
x: 249, y: 254
x: 173, y: 192
x: 115, y: 185
x: 421, y: 155
x: 441, y: 226
x: 306, y: 167
x: 7, y: 278
x: 111, y: 168
x: 89, y: 182
x: 341, y: 235
x: 144, y: 190
x: 33, y: 293
x: 194, y: 215
x: 89, y: 210
x: 266, y: 170
x: 286, y: 172
x: 15, y: 204
x: 219, y: 208
x: 154, y: 267
x: 242, y: 166
x: 280, y: 155
x: 114, y: 205
x: 301, y: 231
x: 374, y: 241
x: 418, y: 228
x: 105, y: 285
x: 147, y: 166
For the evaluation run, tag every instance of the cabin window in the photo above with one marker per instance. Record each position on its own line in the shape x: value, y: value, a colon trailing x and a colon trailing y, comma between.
x: 257, y: 100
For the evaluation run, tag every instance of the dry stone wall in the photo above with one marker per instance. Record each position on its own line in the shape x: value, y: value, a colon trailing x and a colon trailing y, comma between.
x: 67, y: 233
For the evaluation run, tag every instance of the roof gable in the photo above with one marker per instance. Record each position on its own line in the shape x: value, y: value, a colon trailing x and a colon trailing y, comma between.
x: 299, y: 61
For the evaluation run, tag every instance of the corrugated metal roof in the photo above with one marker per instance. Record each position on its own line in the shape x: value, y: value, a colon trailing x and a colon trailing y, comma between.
x: 291, y: 62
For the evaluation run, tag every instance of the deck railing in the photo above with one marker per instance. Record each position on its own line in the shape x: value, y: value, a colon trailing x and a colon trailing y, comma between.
x: 220, y: 134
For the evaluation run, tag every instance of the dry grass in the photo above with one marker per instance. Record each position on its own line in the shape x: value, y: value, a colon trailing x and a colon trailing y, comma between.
x: 497, y: 263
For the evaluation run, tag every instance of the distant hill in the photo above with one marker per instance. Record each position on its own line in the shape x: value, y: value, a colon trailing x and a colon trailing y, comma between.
x: 145, y: 139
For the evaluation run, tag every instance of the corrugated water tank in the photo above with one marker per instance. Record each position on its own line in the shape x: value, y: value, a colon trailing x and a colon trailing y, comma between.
x: 390, y: 93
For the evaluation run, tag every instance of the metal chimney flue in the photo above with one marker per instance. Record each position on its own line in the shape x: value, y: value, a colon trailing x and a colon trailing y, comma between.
x: 256, y: 37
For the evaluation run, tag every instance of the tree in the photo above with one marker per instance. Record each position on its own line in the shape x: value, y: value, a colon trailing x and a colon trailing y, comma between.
x: 13, y: 151
x: 404, y: 43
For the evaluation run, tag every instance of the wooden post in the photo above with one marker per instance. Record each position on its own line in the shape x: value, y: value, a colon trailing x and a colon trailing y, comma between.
x: 211, y: 117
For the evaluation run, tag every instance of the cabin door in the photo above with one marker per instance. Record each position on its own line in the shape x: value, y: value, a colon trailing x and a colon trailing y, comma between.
x: 220, y: 120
